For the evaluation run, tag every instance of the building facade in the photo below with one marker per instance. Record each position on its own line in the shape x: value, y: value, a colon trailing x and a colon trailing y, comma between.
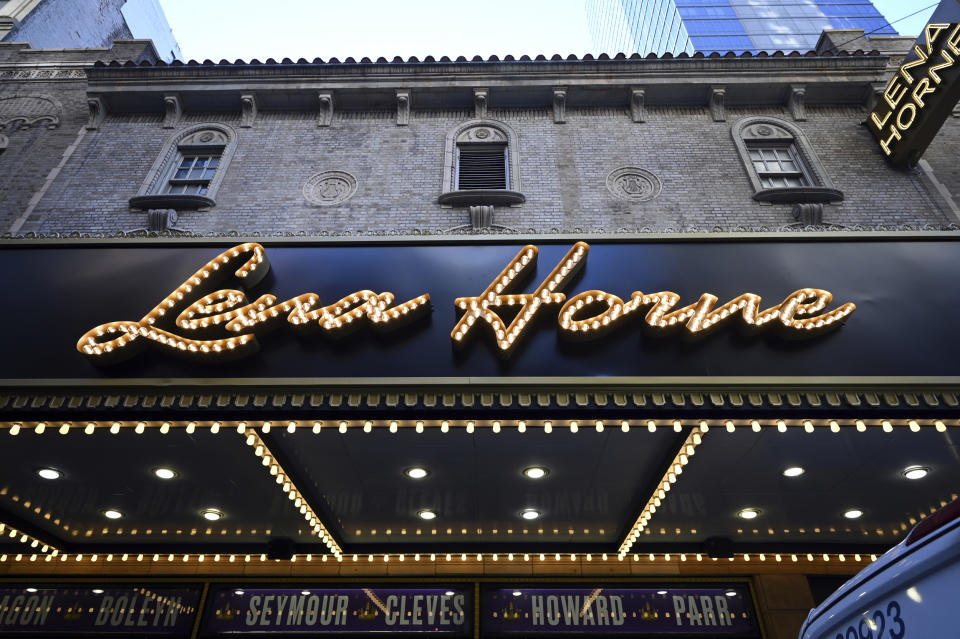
x: 518, y: 347
x: 46, y: 24
x: 677, y: 26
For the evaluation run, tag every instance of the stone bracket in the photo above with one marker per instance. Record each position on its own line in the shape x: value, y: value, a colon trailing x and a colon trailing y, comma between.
x: 481, y: 217
x: 809, y: 213
x: 717, y: 110
x: 98, y: 111
x: 874, y: 95
x: 248, y: 110
x: 796, y: 102
x: 638, y: 107
x: 403, y: 107
x: 559, y: 105
x: 480, y: 103
x: 172, y: 111
x: 325, y: 112
x: 160, y: 220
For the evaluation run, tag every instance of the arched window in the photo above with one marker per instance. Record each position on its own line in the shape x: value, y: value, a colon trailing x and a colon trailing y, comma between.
x: 481, y: 165
x: 189, y: 171
x: 782, y: 166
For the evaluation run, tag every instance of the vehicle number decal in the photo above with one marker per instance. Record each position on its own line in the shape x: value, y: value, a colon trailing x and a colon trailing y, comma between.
x: 874, y: 627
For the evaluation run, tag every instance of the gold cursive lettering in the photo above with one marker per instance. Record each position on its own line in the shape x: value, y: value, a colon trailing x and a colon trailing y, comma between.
x: 223, y: 323
x: 483, y: 307
x: 795, y: 313
x: 228, y: 310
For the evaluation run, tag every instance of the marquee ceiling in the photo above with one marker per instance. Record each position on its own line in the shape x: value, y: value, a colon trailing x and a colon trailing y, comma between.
x: 354, y: 483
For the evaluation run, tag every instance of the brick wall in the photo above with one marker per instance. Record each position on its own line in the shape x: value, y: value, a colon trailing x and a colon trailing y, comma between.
x: 34, y: 151
x: 563, y: 168
x: 942, y: 156
x: 72, y: 23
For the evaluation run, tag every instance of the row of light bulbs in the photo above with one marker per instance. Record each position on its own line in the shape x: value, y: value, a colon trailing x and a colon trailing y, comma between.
x: 495, y: 425
x: 532, y: 557
x: 9, y: 532
x: 687, y: 450
x: 285, y: 483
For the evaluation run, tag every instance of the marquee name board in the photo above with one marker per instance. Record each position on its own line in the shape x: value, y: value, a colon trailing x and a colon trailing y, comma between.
x: 101, y: 611
x: 339, y: 610
x: 203, y: 321
x: 705, y: 609
x: 714, y: 611
x: 920, y: 96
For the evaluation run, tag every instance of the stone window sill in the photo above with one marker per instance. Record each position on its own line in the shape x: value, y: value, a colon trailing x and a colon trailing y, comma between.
x: 176, y: 202
x: 494, y: 197
x: 799, y: 195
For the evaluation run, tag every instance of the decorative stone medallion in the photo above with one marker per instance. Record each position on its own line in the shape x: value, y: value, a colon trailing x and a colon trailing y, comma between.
x: 766, y: 132
x: 481, y: 133
x: 633, y: 184
x: 330, y: 188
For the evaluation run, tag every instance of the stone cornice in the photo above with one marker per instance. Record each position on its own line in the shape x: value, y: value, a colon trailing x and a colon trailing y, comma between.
x: 642, y: 70
x: 208, y: 86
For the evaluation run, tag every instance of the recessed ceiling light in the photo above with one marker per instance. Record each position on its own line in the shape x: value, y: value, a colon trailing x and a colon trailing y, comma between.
x: 661, y: 592
x: 304, y: 592
x: 915, y: 472
x: 529, y: 513
x: 793, y: 471
x: 449, y: 593
x: 112, y: 513
x: 853, y: 513
x: 97, y: 591
x: 535, y: 472
x: 165, y: 473
x: 50, y: 473
x: 517, y: 593
x: 426, y: 514
x: 749, y: 513
x: 416, y: 472
x: 31, y: 589
x: 212, y: 514
x: 238, y: 592
x: 731, y: 593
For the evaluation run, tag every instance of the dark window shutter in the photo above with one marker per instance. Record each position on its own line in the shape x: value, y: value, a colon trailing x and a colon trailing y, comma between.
x: 481, y: 166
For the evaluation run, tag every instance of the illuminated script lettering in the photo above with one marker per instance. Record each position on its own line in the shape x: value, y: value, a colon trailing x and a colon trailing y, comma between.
x: 796, y: 314
x: 199, y: 319
x: 229, y: 313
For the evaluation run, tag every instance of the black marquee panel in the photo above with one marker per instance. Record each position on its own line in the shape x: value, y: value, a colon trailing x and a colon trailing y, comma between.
x: 905, y: 292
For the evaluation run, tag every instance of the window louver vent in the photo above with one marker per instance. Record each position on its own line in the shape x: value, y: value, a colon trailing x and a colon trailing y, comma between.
x: 482, y: 166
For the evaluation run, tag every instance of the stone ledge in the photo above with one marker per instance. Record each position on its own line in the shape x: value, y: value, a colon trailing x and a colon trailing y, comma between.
x: 175, y: 202
x: 480, y: 197
x: 799, y: 195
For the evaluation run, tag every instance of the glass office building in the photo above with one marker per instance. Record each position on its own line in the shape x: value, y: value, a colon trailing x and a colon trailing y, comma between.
x: 675, y: 26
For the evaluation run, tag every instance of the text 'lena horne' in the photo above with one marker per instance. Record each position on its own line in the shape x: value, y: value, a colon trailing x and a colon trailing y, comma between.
x: 221, y: 324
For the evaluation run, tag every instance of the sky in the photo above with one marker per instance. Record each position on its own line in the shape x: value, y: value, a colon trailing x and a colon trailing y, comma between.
x: 218, y: 29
